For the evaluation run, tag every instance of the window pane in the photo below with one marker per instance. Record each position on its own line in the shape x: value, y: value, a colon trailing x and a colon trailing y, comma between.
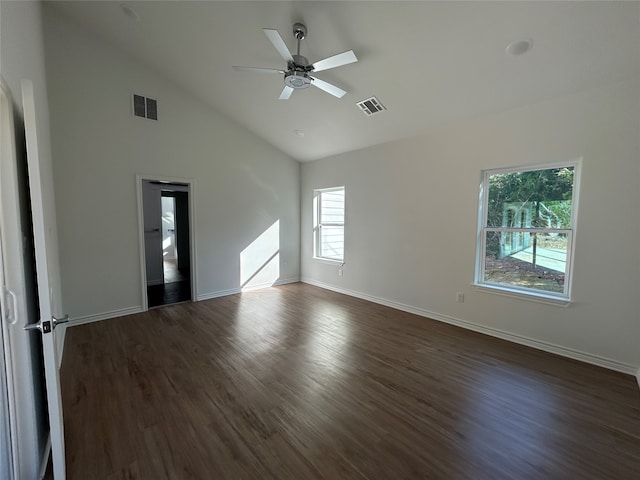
x: 331, y: 243
x: 526, y: 260
x: 332, y: 207
x: 538, y: 199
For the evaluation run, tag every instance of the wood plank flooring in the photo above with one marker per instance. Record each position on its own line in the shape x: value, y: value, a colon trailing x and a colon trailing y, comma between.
x: 297, y: 382
x: 168, y: 293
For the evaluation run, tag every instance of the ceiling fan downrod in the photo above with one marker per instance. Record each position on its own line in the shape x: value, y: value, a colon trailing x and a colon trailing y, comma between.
x: 300, y: 63
x: 298, y: 75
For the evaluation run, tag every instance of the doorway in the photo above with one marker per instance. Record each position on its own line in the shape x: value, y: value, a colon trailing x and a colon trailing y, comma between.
x: 167, y: 242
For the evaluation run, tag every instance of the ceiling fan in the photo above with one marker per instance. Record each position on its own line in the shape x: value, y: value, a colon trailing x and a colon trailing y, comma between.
x: 298, y: 72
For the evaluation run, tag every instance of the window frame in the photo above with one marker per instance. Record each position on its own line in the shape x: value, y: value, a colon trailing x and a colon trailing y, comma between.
x: 558, y: 298
x: 317, y: 224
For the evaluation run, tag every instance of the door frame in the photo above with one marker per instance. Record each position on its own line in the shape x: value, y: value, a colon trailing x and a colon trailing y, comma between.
x: 140, y: 178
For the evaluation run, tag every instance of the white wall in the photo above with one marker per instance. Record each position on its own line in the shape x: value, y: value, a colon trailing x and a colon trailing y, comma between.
x: 242, y: 184
x: 411, y: 210
x: 22, y: 57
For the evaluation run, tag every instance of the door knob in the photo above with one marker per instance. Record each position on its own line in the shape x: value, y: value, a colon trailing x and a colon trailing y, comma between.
x: 48, y: 325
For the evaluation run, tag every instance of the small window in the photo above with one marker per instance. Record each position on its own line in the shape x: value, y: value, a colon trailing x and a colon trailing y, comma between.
x: 328, y: 221
x: 526, y: 232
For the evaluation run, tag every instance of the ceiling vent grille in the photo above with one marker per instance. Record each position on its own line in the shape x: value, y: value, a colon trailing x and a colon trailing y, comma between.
x: 145, y: 107
x: 370, y: 106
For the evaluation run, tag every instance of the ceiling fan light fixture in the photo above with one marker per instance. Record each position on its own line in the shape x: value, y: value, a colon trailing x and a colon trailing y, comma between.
x: 297, y: 80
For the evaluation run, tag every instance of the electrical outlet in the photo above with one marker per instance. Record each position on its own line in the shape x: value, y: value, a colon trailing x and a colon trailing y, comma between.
x: 339, y: 272
x: 460, y: 297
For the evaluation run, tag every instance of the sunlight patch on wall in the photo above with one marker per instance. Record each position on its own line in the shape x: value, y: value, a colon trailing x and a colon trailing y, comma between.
x: 260, y: 261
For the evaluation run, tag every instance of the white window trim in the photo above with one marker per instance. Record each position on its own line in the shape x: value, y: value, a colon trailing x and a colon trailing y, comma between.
x: 316, y: 225
x: 563, y: 299
x: 533, y: 296
x: 329, y: 261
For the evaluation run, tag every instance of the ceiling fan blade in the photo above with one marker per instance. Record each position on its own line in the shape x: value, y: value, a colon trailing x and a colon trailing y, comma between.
x: 257, y: 69
x: 335, y: 61
x: 286, y: 93
x: 328, y: 87
x: 277, y: 42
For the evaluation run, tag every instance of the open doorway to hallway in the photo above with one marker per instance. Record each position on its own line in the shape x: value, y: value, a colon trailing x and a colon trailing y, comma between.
x: 167, y: 242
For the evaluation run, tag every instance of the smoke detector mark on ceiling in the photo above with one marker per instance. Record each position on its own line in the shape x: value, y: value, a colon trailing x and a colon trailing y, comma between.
x: 370, y: 106
x: 520, y: 47
x: 130, y: 12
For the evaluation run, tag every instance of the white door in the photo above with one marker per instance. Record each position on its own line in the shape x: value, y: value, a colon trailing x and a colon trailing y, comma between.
x: 25, y: 400
x: 49, y: 291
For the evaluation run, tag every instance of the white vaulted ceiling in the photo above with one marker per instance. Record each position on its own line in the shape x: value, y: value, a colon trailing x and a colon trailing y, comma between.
x: 429, y: 63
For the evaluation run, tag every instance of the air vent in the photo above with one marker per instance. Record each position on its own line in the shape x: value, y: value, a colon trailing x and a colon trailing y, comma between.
x: 371, y: 105
x: 139, y: 109
x: 152, y: 109
x: 145, y: 107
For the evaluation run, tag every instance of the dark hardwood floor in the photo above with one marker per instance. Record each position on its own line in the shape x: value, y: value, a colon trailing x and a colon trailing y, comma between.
x: 168, y: 293
x: 175, y: 289
x: 297, y: 382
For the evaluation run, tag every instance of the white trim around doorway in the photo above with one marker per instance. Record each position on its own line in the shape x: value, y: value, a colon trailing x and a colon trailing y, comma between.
x: 192, y: 240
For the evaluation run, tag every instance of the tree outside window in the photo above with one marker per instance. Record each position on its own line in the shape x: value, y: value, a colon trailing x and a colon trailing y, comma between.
x: 526, y: 234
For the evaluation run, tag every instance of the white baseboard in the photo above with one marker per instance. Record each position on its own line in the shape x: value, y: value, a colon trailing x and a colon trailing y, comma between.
x: 104, y: 316
x: 220, y: 293
x: 138, y: 309
x: 233, y: 291
x: 281, y: 281
x: 494, y: 332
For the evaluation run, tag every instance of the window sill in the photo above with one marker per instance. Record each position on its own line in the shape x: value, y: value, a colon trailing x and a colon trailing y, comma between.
x: 328, y: 261
x: 530, y: 297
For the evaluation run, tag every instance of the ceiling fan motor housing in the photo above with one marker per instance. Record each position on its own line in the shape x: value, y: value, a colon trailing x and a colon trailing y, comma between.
x: 298, y: 74
x: 299, y: 31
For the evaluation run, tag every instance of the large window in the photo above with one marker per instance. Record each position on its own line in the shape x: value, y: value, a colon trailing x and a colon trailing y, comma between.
x: 526, y: 231
x: 328, y: 221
